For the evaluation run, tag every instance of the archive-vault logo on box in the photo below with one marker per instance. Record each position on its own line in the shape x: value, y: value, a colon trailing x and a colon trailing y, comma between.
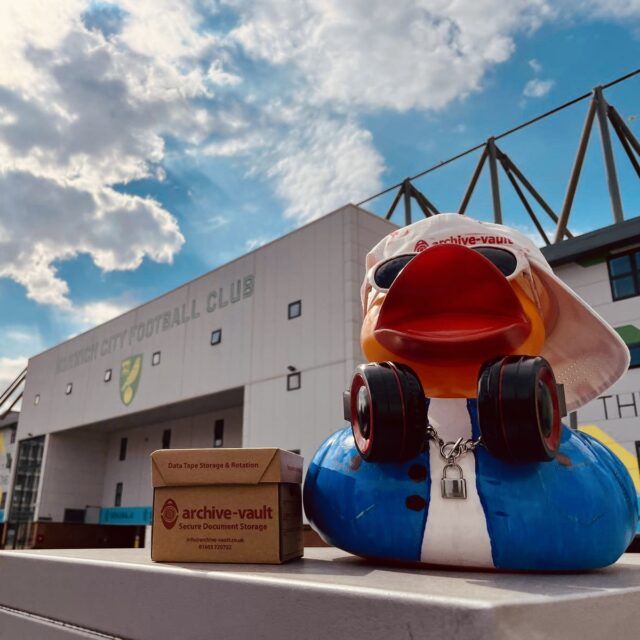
x: 130, y: 370
x: 169, y: 513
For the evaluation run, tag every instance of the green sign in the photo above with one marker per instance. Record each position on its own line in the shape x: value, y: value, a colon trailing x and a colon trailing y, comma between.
x: 130, y: 371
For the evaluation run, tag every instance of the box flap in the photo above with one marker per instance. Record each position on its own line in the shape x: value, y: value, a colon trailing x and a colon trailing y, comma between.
x: 284, y: 467
x: 179, y: 467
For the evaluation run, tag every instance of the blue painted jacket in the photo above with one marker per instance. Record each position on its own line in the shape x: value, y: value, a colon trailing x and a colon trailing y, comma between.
x: 576, y: 512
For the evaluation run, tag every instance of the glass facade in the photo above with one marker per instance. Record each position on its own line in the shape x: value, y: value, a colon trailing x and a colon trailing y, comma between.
x: 25, y: 492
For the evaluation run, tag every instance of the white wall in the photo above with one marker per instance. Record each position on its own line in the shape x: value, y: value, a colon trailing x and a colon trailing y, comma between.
x: 135, y: 470
x: 325, y: 270
x: 622, y: 423
x: 73, y: 472
x: 321, y: 264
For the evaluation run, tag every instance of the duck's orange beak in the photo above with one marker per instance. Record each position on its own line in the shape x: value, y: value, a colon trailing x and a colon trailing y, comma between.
x: 451, y: 302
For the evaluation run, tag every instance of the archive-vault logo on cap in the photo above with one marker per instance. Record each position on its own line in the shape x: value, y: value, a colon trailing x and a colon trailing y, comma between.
x: 169, y: 513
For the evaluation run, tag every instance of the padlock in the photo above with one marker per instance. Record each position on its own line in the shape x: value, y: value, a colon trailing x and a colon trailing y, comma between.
x: 453, y: 487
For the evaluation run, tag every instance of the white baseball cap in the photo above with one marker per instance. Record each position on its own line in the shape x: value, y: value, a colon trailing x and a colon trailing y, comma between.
x: 586, y: 354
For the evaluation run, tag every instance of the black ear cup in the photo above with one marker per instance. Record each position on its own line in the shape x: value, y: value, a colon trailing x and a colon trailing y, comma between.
x: 519, y: 409
x: 388, y: 412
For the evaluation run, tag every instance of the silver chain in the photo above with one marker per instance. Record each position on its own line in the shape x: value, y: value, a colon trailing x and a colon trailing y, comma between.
x: 450, y: 451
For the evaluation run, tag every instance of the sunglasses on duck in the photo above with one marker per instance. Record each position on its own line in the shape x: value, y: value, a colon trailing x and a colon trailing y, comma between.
x: 509, y: 263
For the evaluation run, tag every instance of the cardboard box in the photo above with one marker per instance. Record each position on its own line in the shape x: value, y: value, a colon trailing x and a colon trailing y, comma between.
x: 226, y: 505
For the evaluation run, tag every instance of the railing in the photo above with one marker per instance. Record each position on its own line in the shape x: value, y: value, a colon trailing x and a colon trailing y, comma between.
x: 12, y: 394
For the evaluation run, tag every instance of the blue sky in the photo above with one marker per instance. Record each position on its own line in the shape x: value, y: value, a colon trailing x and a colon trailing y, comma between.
x: 144, y: 142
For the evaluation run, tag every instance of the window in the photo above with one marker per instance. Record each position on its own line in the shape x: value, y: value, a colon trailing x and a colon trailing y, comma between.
x: 107, y: 375
x: 624, y: 274
x: 155, y: 359
x: 295, y: 309
x: 293, y: 381
x: 218, y: 433
x: 76, y: 516
x: 118, y: 499
x: 25, y: 488
x: 216, y: 337
x: 123, y: 448
x: 69, y: 388
x: 36, y: 399
x: 13, y: 436
x: 166, y: 439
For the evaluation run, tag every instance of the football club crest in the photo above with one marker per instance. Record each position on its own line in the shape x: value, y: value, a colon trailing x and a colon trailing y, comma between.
x: 130, y: 370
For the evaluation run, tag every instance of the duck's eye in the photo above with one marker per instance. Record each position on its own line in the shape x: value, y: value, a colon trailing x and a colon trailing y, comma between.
x: 388, y: 271
x: 501, y: 258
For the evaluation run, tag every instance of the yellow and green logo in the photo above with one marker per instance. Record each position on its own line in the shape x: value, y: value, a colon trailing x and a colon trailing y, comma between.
x: 130, y: 370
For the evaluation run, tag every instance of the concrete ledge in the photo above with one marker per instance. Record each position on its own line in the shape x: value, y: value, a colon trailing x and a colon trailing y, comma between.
x: 328, y: 595
x: 15, y: 624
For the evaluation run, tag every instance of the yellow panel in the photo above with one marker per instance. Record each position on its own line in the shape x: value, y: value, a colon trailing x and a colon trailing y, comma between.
x: 628, y: 459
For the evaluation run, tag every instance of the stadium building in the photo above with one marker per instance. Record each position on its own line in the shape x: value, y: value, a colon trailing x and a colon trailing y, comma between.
x: 603, y: 268
x: 254, y: 353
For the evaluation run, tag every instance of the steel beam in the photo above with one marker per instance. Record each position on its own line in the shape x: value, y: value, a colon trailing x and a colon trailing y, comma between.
x: 428, y: 208
x: 525, y: 203
x: 6, y: 412
x: 575, y: 172
x: 533, y: 191
x: 495, y: 182
x: 9, y: 391
x: 472, y: 183
x: 626, y: 137
x: 607, y: 150
x: 614, y: 115
x: 394, y: 204
x: 406, y: 189
x: 625, y: 145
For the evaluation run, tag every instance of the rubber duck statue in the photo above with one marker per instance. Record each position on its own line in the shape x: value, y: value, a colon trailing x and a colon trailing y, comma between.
x: 456, y: 454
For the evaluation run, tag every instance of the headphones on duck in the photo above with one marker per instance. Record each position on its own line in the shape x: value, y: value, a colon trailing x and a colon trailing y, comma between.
x: 519, y: 410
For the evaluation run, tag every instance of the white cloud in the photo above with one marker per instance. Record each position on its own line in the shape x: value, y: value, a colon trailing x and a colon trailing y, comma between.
x: 616, y: 9
x: 220, y: 77
x: 20, y: 339
x: 255, y: 243
x: 236, y: 146
x: 81, y: 112
x: 371, y: 54
x: 166, y: 30
x: 323, y: 166
x: 537, y: 88
x: 316, y: 162
x: 213, y: 222
x: 49, y: 220
x: 83, y: 317
x: 95, y: 313
x: 90, y: 92
x: 535, y: 65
